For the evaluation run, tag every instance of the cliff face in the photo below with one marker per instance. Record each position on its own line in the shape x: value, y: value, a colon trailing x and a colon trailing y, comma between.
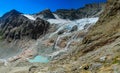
x: 90, y: 10
x: 45, y: 14
x: 14, y: 25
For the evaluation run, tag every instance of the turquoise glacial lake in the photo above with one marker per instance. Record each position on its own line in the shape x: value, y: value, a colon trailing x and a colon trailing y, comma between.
x: 40, y: 59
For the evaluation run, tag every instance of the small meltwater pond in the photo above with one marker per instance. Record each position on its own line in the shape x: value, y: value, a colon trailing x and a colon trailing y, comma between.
x: 40, y: 59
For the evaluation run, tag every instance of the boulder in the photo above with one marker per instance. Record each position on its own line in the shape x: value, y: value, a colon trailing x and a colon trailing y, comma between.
x: 61, y: 32
x: 74, y: 28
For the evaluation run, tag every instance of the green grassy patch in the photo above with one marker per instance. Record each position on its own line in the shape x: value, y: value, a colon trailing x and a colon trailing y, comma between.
x: 116, y: 60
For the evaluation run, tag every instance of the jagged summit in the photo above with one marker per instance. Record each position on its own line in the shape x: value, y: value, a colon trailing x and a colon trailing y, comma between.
x: 89, y: 10
x: 14, y: 11
x: 11, y: 13
x: 45, y: 14
x: 15, y: 25
x: 45, y: 11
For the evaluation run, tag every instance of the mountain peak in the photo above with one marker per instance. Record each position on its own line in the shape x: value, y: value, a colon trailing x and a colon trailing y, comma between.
x: 14, y: 12
x: 11, y: 13
x: 47, y: 9
x: 46, y: 14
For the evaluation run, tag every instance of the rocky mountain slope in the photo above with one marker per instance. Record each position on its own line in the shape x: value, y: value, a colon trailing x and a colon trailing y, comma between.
x: 45, y: 14
x: 66, y: 42
x: 90, y: 10
x: 14, y: 26
x: 99, y: 50
x: 97, y: 53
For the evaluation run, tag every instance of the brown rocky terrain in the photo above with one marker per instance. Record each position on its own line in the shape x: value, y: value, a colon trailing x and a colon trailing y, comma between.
x: 99, y: 52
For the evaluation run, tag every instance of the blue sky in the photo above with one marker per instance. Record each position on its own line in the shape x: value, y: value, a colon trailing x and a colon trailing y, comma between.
x: 34, y: 6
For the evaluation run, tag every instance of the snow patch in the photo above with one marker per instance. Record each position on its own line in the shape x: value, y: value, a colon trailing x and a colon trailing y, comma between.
x: 64, y: 24
x: 81, y: 25
x: 4, y: 61
x: 56, y: 16
x: 29, y: 16
x: 58, y: 21
x: 82, y: 22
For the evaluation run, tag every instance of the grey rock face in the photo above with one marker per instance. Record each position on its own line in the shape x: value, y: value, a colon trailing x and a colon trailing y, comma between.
x: 13, y: 25
x: 16, y: 26
x: 45, y: 14
x: 74, y: 28
x: 89, y: 10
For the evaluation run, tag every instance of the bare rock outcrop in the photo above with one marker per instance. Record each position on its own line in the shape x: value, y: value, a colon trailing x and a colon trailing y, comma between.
x: 16, y: 26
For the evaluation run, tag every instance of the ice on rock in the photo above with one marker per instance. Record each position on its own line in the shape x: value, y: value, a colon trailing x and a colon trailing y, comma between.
x: 29, y: 16
x: 81, y: 23
x: 64, y: 24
